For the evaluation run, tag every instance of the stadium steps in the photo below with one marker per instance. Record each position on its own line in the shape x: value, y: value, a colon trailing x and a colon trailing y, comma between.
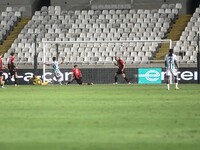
x: 13, y: 35
x: 174, y: 34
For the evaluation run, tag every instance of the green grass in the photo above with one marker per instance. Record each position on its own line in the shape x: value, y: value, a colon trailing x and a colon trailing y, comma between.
x: 100, y: 117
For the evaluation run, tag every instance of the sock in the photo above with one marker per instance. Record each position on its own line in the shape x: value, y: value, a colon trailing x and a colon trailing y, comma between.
x: 176, y: 85
x: 167, y: 81
x: 176, y: 80
x: 126, y: 79
x: 116, y: 78
x: 16, y: 80
x: 6, y: 80
x: 168, y: 86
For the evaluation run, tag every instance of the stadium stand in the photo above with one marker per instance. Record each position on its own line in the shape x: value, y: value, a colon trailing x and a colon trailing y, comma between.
x: 53, y: 24
x: 8, y: 20
x: 186, y: 47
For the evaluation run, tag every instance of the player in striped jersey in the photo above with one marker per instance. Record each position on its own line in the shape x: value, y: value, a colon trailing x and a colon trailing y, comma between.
x: 56, y: 70
x: 171, y: 68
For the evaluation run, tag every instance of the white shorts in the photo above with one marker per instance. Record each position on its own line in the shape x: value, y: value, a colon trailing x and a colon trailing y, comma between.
x: 170, y: 72
x: 57, y: 74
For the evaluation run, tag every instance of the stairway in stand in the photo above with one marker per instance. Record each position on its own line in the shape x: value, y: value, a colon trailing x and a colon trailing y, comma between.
x: 13, y: 35
x: 174, y: 34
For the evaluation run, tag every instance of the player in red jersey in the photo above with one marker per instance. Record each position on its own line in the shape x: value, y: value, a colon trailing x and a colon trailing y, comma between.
x: 1, y: 71
x: 77, y: 75
x: 121, y: 69
x: 12, y: 68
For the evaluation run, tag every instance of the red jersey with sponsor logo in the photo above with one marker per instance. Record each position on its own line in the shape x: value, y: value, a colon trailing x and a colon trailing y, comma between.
x: 77, y: 73
x: 11, y: 63
x: 120, y: 63
x: 1, y: 65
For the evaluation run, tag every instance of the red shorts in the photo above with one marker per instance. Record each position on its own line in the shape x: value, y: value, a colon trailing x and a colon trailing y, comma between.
x: 12, y: 72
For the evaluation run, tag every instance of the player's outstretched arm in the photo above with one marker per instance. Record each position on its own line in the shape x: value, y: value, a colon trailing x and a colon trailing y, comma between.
x: 115, y: 63
x: 47, y: 64
x: 62, y: 61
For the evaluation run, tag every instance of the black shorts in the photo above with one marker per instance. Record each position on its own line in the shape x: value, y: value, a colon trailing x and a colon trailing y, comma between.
x: 1, y: 73
x: 12, y: 72
x: 79, y: 80
x: 119, y: 71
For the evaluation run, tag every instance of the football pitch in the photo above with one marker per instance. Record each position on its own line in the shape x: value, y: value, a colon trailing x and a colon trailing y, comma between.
x: 100, y: 117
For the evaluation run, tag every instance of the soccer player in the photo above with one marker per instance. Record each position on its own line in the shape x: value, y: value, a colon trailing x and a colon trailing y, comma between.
x: 171, y: 68
x: 12, y: 68
x: 1, y: 71
x: 35, y: 80
x: 56, y: 70
x: 77, y: 75
x: 121, y: 70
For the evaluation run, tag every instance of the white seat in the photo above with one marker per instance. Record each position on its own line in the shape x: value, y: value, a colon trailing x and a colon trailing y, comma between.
x: 168, y: 11
x: 161, y: 11
x: 9, y: 9
x: 141, y: 54
x: 164, y: 6
x: 175, y: 11
x: 148, y: 54
x: 145, y: 59
x: 20, y: 45
x: 178, y: 5
x: 109, y: 59
x: 137, y: 59
x: 18, y: 13
x: 90, y: 12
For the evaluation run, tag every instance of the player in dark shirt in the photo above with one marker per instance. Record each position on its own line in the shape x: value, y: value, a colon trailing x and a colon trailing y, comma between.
x: 121, y: 70
x: 1, y: 71
x: 77, y: 75
x: 12, y: 68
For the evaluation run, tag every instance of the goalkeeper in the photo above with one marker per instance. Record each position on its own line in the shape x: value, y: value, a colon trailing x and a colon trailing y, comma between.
x: 35, y: 80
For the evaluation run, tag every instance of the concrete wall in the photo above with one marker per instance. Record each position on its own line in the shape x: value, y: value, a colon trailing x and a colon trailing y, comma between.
x: 184, y: 3
x: 71, y: 4
x: 155, y: 4
x: 33, y: 5
x: 30, y: 5
x: 145, y: 4
x: 112, y: 1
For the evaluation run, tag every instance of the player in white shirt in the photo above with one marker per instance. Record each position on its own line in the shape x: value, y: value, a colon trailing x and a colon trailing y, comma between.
x: 171, y: 68
x: 56, y: 70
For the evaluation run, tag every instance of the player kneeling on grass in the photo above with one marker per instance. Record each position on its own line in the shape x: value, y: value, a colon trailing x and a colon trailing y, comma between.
x: 77, y: 75
x: 121, y: 70
x: 171, y: 68
x: 35, y: 80
x: 1, y: 71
